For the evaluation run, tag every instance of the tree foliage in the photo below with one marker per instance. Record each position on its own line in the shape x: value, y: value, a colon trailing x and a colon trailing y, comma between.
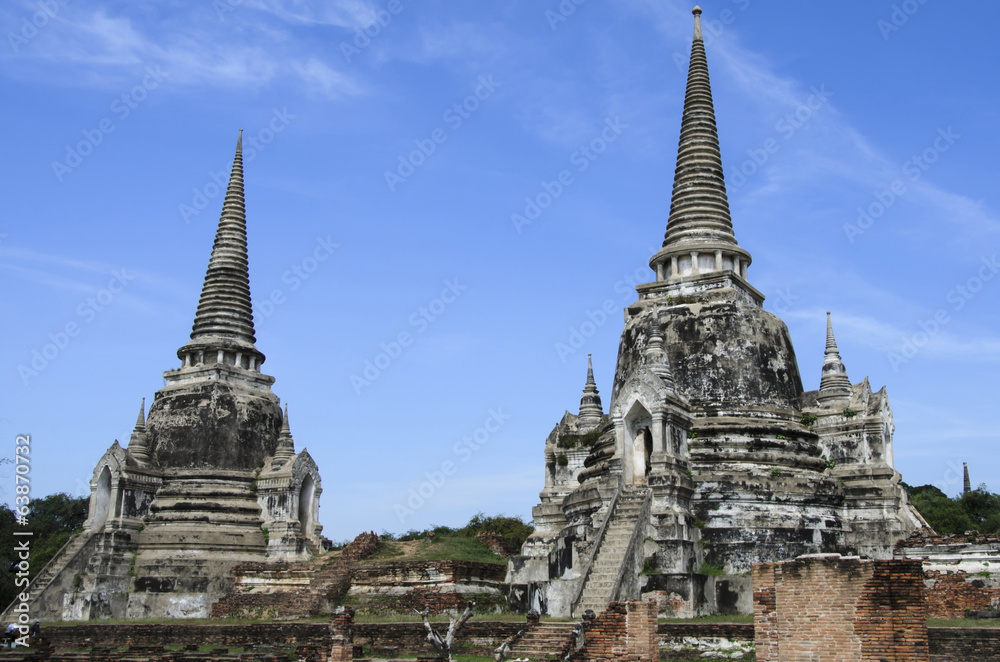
x: 52, y: 520
x: 977, y: 510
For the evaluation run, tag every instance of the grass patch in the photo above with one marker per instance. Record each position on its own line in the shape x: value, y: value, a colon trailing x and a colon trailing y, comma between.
x: 991, y: 623
x: 443, y: 548
x: 505, y: 617
x: 714, y: 618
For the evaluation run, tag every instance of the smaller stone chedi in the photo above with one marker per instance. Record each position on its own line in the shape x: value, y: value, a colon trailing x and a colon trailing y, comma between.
x: 711, y: 457
x: 210, y: 478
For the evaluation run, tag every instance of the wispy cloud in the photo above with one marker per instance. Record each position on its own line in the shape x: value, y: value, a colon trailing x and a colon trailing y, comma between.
x: 338, y: 13
x: 111, y: 49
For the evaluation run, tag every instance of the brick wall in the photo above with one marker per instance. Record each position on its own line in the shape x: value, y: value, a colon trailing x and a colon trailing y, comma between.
x: 965, y: 644
x: 827, y: 607
x: 624, y: 632
x: 950, y: 595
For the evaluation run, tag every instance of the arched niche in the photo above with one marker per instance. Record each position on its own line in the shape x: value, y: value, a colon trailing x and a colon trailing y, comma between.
x: 638, y: 444
x: 307, y: 497
x: 102, y: 500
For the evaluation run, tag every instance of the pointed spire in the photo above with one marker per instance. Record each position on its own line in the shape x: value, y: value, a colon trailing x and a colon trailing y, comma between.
x: 137, y: 445
x: 834, y: 384
x: 699, y: 237
x: 966, y: 483
x: 591, y: 409
x: 224, y: 319
x: 286, y: 445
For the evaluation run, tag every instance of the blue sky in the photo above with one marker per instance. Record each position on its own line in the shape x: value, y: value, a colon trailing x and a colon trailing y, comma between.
x: 411, y: 147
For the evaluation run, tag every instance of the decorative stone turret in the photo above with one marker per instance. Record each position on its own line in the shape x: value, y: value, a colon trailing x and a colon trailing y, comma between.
x: 834, y: 386
x: 591, y: 409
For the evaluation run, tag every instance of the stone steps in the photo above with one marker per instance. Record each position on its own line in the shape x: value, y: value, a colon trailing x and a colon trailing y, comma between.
x: 543, y: 641
x: 611, y: 551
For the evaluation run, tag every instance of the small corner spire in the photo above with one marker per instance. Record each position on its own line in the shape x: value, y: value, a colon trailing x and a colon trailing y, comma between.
x: 286, y: 445
x: 834, y: 383
x: 591, y: 409
x: 138, y: 446
x: 656, y: 358
x: 285, y: 429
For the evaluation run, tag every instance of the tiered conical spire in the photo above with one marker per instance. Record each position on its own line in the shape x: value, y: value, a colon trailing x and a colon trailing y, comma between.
x: 699, y: 208
x: 224, y: 319
x: 834, y: 384
x: 591, y: 409
x: 699, y: 237
x: 137, y: 445
x: 966, y: 483
x: 286, y: 445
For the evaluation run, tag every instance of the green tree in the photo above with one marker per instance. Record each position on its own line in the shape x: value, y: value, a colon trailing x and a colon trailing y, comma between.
x: 53, y: 519
x: 983, y: 509
x: 976, y: 510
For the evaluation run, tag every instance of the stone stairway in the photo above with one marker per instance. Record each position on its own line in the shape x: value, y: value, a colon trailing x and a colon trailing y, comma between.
x: 548, y: 640
x: 611, y: 551
x: 62, y: 558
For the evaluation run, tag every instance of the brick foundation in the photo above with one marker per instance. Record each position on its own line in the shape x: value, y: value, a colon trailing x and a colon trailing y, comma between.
x: 832, y: 608
x: 266, y: 640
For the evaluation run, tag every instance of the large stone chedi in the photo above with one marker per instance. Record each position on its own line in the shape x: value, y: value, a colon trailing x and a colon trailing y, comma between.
x: 209, y: 479
x: 711, y: 457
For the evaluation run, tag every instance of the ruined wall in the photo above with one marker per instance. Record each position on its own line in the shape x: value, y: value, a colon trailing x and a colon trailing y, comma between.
x: 951, y: 595
x: 829, y: 607
x: 625, y: 631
